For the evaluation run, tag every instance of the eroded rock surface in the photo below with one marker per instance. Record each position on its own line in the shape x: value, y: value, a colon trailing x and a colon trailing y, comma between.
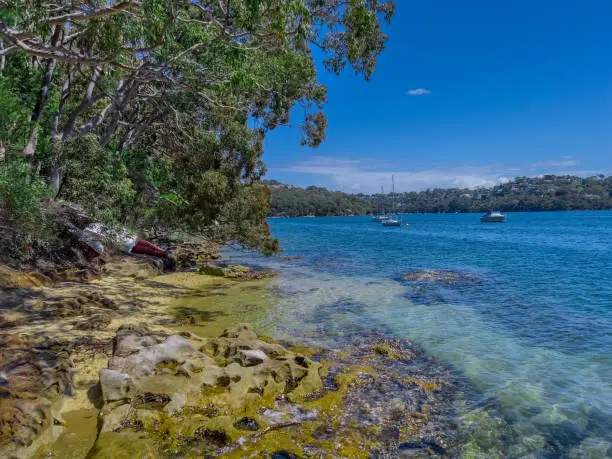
x: 239, y: 395
x: 192, y: 394
x: 11, y: 278
x: 33, y: 380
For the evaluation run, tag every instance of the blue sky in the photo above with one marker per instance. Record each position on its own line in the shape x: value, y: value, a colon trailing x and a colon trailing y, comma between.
x: 467, y: 94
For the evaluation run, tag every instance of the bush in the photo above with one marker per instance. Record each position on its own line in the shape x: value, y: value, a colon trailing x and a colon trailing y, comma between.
x: 24, y: 227
x: 95, y: 178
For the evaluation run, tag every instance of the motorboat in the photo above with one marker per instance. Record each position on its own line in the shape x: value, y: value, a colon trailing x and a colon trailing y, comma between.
x: 493, y: 217
x: 392, y: 221
x: 379, y: 218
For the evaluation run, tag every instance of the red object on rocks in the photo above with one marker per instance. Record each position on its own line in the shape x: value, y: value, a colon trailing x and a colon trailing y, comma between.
x: 146, y: 248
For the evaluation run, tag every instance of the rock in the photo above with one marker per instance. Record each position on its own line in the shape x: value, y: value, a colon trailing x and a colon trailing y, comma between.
x: 251, y: 357
x: 136, y: 266
x: 188, y: 255
x: 40, y: 278
x: 235, y: 271
x: 238, y: 272
x: 145, y: 361
x: 113, y: 419
x: 212, y: 270
x: 191, y: 400
x: 282, y: 454
x: 442, y: 277
x: 109, y: 304
x: 33, y: 382
x: 97, y: 321
x: 116, y: 385
x: 419, y: 446
x: 241, y: 331
x: 247, y: 424
x: 10, y: 278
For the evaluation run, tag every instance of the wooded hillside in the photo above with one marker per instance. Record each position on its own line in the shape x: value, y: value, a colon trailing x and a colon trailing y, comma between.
x: 549, y: 192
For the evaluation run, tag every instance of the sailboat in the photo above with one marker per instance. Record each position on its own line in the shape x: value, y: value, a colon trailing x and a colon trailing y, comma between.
x: 393, y: 220
x: 380, y: 217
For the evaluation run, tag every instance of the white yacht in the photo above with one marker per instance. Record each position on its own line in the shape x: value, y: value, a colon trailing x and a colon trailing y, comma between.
x: 493, y: 217
x: 392, y: 221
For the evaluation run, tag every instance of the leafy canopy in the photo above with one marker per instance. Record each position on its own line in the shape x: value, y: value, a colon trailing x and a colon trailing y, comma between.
x: 154, y: 112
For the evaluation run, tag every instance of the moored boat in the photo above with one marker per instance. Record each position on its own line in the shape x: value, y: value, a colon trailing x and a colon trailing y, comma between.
x: 392, y: 221
x: 493, y: 217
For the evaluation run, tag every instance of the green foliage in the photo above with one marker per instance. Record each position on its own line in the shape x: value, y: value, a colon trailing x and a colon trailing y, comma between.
x: 290, y: 201
x: 243, y: 218
x: 523, y: 194
x: 21, y: 191
x: 24, y: 227
x: 94, y: 178
x: 154, y: 113
x: 14, y: 123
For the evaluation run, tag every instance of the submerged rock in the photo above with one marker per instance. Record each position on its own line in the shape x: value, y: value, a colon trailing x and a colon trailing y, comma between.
x: 442, y: 277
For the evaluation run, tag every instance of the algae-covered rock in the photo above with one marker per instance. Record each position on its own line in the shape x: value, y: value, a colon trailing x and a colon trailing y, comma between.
x: 10, y: 278
x: 97, y: 321
x: 212, y: 270
x: 238, y: 272
x: 188, y: 255
x: 33, y: 382
x: 116, y: 385
x: 186, y: 396
x: 238, y: 396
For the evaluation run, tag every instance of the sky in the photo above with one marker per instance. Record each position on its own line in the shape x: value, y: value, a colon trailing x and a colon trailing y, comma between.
x: 467, y: 93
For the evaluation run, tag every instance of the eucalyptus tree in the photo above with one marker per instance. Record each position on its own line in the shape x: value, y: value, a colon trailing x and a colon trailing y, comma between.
x: 181, y: 93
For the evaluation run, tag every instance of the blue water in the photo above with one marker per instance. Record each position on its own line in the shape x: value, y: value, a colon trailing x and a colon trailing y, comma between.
x: 533, y: 340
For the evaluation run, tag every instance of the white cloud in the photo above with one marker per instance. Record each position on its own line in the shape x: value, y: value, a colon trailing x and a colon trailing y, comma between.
x: 419, y: 92
x: 564, y: 161
x: 368, y: 175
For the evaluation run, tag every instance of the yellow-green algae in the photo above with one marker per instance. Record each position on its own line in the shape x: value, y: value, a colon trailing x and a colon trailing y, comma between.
x: 143, y: 297
x: 348, y: 441
x: 203, y: 306
x: 215, y: 304
x: 234, y: 393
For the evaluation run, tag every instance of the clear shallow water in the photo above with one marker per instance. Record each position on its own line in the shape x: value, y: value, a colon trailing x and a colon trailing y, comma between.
x: 534, y: 339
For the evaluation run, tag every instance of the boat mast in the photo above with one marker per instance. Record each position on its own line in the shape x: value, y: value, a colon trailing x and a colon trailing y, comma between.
x: 393, y: 191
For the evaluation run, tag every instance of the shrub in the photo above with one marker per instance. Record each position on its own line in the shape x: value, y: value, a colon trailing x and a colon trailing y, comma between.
x: 24, y: 229
x: 95, y: 178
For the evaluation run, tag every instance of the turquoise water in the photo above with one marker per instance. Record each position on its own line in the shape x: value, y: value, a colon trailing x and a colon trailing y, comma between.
x: 533, y: 340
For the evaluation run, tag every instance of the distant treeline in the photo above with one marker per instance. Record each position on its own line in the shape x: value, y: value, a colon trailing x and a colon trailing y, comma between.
x: 523, y: 194
x: 291, y: 201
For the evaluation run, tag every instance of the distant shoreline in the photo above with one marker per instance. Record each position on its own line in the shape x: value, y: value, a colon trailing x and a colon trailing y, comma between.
x: 441, y: 213
x: 523, y: 194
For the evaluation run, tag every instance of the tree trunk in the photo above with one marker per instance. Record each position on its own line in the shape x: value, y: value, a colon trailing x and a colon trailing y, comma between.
x: 87, y: 102
x: 43, y: 96
x: 2, y: 58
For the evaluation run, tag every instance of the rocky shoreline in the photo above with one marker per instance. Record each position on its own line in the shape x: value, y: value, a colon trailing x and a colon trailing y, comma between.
x: 121, y: 366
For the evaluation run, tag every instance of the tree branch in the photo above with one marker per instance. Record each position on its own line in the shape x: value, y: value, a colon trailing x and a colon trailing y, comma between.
x: 94, y: 14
